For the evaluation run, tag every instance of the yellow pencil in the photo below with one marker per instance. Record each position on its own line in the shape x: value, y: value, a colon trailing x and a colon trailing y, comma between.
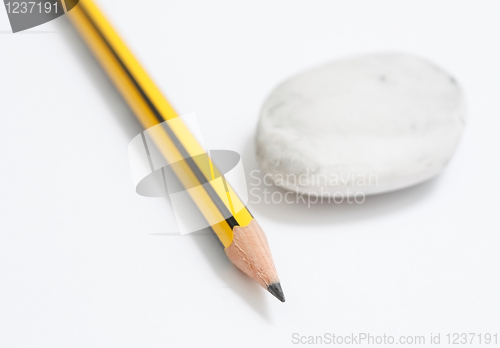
x: 244, y: 241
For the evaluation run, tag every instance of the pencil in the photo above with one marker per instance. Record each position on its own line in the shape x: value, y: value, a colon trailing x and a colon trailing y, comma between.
x: 244, y: 241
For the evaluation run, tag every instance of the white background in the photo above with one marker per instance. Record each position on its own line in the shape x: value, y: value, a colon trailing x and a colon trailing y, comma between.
x: 85, y: 262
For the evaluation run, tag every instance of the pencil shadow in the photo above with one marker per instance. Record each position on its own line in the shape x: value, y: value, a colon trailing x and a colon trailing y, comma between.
x: 206, y: 240
x: 302, y: 213
x: 254, y: 296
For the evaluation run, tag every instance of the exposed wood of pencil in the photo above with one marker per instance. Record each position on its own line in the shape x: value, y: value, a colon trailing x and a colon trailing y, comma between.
x: 250, y: 253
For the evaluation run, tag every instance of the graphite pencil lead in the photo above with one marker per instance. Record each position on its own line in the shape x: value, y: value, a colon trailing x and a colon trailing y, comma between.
x: 277, y: 292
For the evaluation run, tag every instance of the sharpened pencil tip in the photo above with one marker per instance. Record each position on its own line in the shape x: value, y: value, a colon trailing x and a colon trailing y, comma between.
x: 277, y: 292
